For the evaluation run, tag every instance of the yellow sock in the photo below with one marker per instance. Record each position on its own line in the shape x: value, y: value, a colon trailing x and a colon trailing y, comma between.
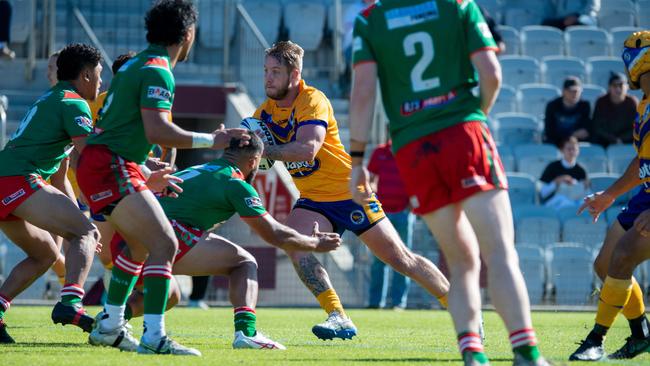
x: 635, y: 306
x: 62, y: 280
x: 330, y: 301
x: 613, y: 297
x: 443, y: 301
x: 108, y: 266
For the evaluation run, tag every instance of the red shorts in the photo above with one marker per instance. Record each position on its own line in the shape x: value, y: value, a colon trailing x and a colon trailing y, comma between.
x: 187, y: 237
x: 450, y: 165
x: 14, y: 190
x: 105, y: 177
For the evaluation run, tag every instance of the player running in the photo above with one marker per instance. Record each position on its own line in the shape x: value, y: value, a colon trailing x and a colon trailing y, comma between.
x: 626, y: 242
x: 30, y: 208
x: 133, y: 118
x: 426, y: 54
x: 212, y: 193
x: 303, y: 124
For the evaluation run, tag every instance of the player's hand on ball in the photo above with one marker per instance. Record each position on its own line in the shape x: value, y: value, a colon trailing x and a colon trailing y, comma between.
x: 163, y: 182
x: 596, y: 203
x: 326, y: 241
x: 222, y: 136
x: 642, y: 223
x: 360, y: 178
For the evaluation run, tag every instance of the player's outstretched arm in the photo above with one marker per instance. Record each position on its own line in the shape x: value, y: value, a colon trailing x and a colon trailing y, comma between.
x: 309, y: 139
x: 286, y: 238
x: 159, y: 131
x: 489, y: 74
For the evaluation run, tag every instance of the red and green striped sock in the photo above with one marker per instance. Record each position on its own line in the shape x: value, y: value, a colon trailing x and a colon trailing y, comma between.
x: 156, y: 290
x: 71, y: 293
x: 245, y: 319
x: 124, y: 276
x: 5, y: 304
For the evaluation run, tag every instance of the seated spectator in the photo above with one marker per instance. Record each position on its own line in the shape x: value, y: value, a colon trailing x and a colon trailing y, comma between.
x: 567, y: 115
x: 614, y: 113
x: 5, y: 28
x: 573, y: 12
x: 564, y: 182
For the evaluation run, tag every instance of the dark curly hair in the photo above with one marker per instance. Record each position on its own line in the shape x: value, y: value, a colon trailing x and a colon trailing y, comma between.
x: 168, y: 21
x: 121, y: 60
x: 73, y: 58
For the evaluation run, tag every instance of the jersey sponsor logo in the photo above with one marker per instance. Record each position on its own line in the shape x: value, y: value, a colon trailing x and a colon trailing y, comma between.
x: 473, y: 181
x: 84, y: 121
x: 12, y: 197
x: 253, y: 202
x: 413, y: 106
x: 411, y: 15
x: 157, y: 92
x: 357, y: 217
x: 644, y: 170
x: 302, y: 169
x: 101, y: 195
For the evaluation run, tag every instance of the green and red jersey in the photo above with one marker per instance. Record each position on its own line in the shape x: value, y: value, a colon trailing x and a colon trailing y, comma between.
x: 43, y: 137
x: 212, y: 193
x: 422, y: 49
x: 144, y: 82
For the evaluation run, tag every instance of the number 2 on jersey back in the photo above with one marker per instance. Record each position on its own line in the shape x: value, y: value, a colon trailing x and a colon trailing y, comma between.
x: 418, y: 83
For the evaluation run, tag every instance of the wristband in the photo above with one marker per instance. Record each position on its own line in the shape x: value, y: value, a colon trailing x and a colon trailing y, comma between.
x: 357, y: 154
x: 200, y: 140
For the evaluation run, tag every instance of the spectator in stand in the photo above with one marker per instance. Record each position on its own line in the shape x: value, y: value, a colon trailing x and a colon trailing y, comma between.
x: 573, y: 12
x: 5, y: 30
x: 385, y: 180
x: 564, y: 182
x: 567, y: 115
x: 614, y: 113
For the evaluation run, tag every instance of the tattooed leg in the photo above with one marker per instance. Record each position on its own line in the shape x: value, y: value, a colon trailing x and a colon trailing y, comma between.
x: 311, y: 272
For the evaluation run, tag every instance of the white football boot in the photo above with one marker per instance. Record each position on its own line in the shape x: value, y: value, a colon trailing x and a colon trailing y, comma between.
x: 336, y: 326
x: 258, y: 341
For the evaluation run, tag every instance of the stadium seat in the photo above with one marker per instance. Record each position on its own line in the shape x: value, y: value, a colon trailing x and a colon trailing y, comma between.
x: 600, y: 68
x: 620, y: 34
x: 519, y: 14
x: 534, y: 97
x: 20, y: 21
x: 507, y: 158
x: 541, y: 230
x: 533, y: 158
x: 523, y: 211
x: 511, y: 38
x: 517, y: 128
x: 521, y: 188
x: 307, y: 34
x: 519, y: 70
x: 570, y: 213
x: 611, y: 214
x: 493, y: 7
x: 590, y: 234
x: 600, y: 182
x: 571, y: 273
x: 619, y: 157
x: 583, y: 42
x: 267, y: 16
x: 556, y: 68
x: 506, y: 101
x: 593, y: 158
x: 532, y: 261
x: 538, y: 41
x: 617, y: 13
x: 591, y: 93
x: 211, y: 25
x: 642, y: 13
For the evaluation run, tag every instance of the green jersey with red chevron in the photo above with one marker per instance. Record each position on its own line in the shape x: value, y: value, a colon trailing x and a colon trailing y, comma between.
x: 144, y: 82
x: 212, y: 193
x: 43, y: 137
x: 422, y: 49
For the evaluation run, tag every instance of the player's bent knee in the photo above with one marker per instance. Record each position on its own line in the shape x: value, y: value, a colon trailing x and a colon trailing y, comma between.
x: 600, y: 266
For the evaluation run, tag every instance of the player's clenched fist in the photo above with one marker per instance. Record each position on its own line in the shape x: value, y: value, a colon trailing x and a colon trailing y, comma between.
x: 326, y: 241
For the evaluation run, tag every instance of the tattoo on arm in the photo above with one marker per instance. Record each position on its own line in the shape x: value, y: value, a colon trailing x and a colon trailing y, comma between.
x: 312, y: 274
x: 275, y: 153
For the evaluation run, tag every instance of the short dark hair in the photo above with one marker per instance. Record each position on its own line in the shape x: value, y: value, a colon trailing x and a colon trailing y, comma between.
x: 73, y: 58
x: 287, y: 53
x: 571, y: 81
x: 168, y: 21
x: 565, y: 140
x: 255, y: 146
x: 121, y: 60
x: 616, y: 77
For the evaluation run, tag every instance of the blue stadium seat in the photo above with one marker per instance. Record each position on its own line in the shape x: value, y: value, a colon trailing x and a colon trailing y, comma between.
x: 525, y: 211
x: 506, y: 101
x: 617, y: 13
x: 571, y: 272
x: 519, y: 70
x: 620, y: 34
x: 642, y: 13
x: 308, y: 34
x: 538, y: 41
x: 533, y: 98
x: 619, y: 157
x: 540, y: 230
x: 533, y: 158
x: 583, y: 42
x: 211, y: 25
x: 521, y: 188
x: 267, y: 16
x: 556, y: 68
x: 588, y: 233
x: 600, y: 68
x: 593, y: 158
x: 600, y: 182
x: 532, y: 261
x: 494, y: 8
x: 511, y: 38
x: 507, y: 158
x: 517, y: 128
x: 591, y: 93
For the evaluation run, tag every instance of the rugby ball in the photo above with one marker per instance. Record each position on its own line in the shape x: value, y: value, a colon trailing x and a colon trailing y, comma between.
x: 260, y: 129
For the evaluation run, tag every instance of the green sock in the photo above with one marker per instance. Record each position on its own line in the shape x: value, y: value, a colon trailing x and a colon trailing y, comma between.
x: 128, y: 312
x: 121, y: 286
x: 2, y: 312
x: 530, y: 353
x: 156, y: 291
x: 70, y: 299
x: 479, y: 357
x: 245, y: 320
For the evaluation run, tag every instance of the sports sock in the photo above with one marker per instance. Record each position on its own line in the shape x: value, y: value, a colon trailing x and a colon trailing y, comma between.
x: 71, y: 293
x: 640, y: 327
x: 329, y: 301
x: 61, y: 280
x: 156, y: 291
x: 115, y: 316
x: 124, y: 276
x: 128, y: 312
x: 613, y: 297
x: 471, y: 342
x: 245, y: 320
x: 443, y: 301
x: 524, y: 342
x: 5, y: 304
x: 597, y: 334
x: 634, y: 307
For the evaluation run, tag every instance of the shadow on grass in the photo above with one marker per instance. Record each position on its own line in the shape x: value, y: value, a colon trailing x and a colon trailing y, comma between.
x: 42, y: 344
x: 398, y: 360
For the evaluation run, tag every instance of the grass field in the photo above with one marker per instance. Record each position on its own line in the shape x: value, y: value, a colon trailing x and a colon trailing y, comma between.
x: 385, y: 337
